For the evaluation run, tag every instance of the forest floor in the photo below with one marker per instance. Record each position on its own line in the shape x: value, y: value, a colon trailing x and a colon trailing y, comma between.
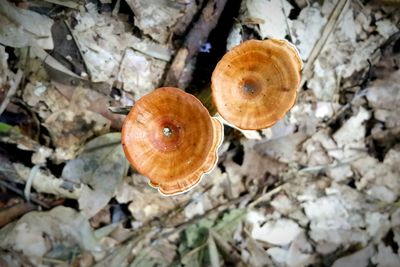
x: 319, y: 188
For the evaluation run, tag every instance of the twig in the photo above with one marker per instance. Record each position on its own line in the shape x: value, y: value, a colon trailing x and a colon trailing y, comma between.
x: 388, y: 42
x: 21, y: 193
x: 69, y: 4
x: 267, y: 195
x: 116, y: 8
x: 286, y: 22
x: 9, y: 214
x: 227, y: 247
x: 178, y: 72
x: 328, y: 166
x: 11, y: 91
x: 330, y: 25
x: 178, y: 228
x: 156, y: 223
x: 148, y: 230
x: 79, y: 49
x: 359, y: 93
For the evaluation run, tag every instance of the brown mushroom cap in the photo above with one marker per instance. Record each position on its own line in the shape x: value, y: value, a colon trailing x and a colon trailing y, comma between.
x: 255, y: 83
x: 169, y: 137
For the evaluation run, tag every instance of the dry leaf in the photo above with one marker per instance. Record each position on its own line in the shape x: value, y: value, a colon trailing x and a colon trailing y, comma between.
x: 101, y: 166
x: 156, y: 18
x: 21, y: 27
x: 38, y: 233
x: 274, y: 16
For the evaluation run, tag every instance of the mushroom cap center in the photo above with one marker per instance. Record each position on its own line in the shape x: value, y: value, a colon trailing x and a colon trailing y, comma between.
x: 167, y: 131
x: 167, y: 134
x: 249, y: 87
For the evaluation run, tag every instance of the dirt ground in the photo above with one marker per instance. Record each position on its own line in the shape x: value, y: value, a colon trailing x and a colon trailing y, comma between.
x: 320, y: 187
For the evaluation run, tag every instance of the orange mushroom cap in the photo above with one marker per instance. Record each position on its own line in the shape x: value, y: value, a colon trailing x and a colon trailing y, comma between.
x: 255, y: 84
x: 169, y: 137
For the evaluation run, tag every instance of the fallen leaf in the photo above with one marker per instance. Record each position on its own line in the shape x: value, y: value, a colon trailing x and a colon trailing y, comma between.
x: 156, y: 18
x: 113, y: 54
x: 101, y: 166
x: 385, y: 256
x: 274, y: 16
x: 38, y: 233
x: 69, y: 129
x: 161, y: 254
x: 359, y: 258
x: 281, y: 232
x: 228, y: 224
x: 21, y: 27
x: 307, y: 28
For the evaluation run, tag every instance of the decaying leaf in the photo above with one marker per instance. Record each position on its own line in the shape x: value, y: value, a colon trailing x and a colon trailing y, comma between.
x: 157, y: 18
x: 146, y: 204
x: 105, y: 42
x: 353, y: 130
x: 48, y: 230
x: 196, y: 237
x: 161, y: 254
x: 101, y: 166
x: 320, y: 187
x: 44, y: 98
x: 360, y: 257
x: 336, y: 219
x: 5, y: 73
x: 138, y: 71
x: 385, y: 256
x: 119, y: 257
x: 281, y: 232
x: 69, y: 130
x: 384, y: 96
x: 20, y: 27
x: 380, y: 180
x: 307, y: 29
x: 336, y: 60
x: 273, y: 16
x: 228, y: 224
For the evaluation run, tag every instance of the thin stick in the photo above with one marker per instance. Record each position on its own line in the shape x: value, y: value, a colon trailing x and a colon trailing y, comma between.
x: 329, y: 166
x: 9, y: 214
x: 178, y: 72
x: 330, y: 25
x: 21, y: 193
x: 227, y: 247
x: 78, y: 46
x: 178, y: 228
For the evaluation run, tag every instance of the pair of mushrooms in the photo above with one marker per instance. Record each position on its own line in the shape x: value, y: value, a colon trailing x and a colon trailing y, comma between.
x: 169, y: 136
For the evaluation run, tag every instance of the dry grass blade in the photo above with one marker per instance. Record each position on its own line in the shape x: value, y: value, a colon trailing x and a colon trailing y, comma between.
x: 330, y: 25
x: 213, y: 251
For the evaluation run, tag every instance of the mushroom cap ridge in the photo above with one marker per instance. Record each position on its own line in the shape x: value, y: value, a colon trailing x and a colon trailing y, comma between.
x: 169, y: 137
x: 255, y: 84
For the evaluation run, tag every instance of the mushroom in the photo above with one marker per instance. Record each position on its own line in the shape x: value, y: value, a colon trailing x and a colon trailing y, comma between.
x: 169, y: 137
x: 255, y: 84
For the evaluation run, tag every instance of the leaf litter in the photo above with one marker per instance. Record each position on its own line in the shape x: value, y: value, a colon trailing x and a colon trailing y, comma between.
x: 318, y: 188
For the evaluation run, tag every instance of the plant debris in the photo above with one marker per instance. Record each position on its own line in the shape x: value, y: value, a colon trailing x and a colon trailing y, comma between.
x: 318, y: 188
